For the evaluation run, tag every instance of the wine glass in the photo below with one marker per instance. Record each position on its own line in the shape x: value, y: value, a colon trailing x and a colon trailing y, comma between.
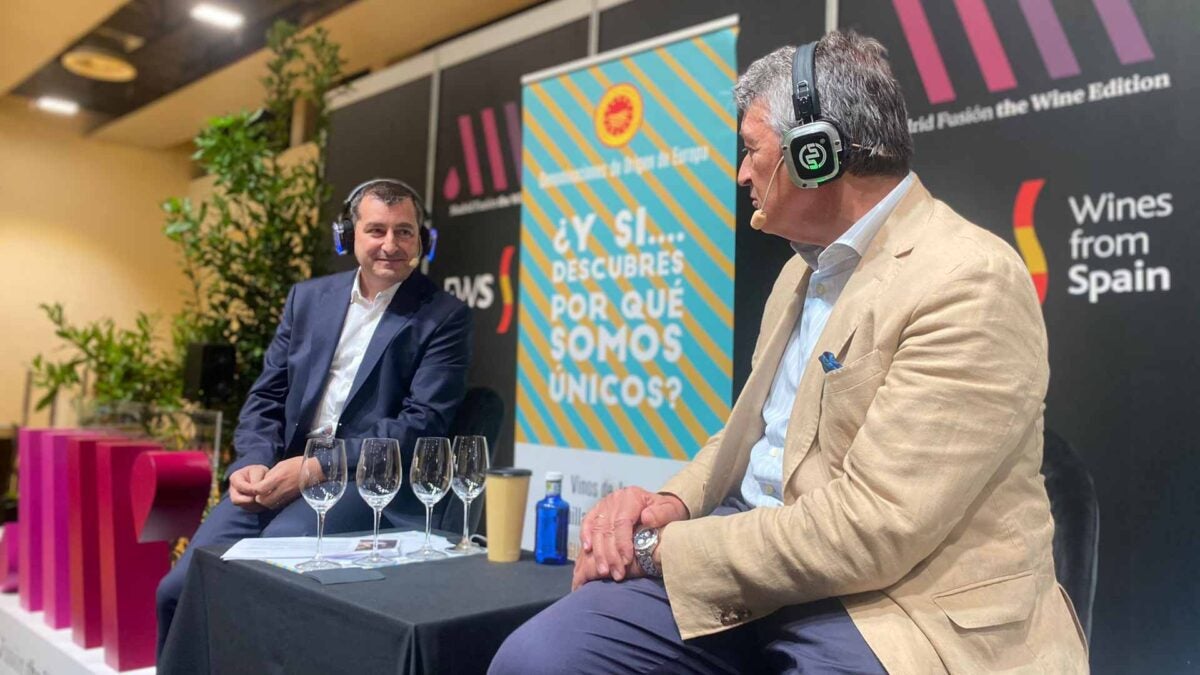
x: 430, y: 479
x: 322, y: 482
x: 470, y: 469
x: 378, y: 478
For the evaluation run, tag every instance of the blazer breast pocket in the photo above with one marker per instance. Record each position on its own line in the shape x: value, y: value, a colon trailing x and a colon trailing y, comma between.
x: 845, y: 398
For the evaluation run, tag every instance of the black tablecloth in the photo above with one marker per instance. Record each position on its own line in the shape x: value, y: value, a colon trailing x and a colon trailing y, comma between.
x: 448, y: 616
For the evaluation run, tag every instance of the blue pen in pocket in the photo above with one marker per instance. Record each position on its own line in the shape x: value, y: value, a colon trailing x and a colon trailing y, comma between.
x: 829, y: 362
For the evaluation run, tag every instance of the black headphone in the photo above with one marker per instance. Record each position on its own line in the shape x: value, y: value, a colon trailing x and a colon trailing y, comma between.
x: 343, y: 225
x: 814, y: 150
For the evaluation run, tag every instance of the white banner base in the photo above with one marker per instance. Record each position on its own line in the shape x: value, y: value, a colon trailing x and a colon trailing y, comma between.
x: 588, y: 475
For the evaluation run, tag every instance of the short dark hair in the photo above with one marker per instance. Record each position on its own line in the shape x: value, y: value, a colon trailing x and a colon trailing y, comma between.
x: 388, y: 192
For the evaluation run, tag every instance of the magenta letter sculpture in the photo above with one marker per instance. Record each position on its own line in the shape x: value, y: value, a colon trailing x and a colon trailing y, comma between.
x: 10, y: 553
x: 83, y: 540
x: 56, y: 569
x: 29, y: 486
x: 144, y: 493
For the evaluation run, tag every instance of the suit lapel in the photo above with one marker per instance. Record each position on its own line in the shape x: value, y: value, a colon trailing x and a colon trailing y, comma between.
x: 330, y: 309
x: 875, y: 271
x: 758, y: 386
x: 397, y: 315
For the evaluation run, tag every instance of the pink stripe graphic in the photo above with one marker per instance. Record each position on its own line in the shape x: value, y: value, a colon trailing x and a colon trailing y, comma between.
x: 989, y: 53
x: 925, y: 51
x: 491, y: 137
x: 466, y: 135
x: 512, y: 117
x: 1051, y: 40
x: 1124, y: 31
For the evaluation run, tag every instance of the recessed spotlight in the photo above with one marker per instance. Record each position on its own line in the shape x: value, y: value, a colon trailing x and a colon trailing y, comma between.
x: 58, y: 106
x: 220, y: 17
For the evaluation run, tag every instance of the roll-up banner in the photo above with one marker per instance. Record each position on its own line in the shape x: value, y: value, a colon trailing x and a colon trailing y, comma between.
x: 627, y: 253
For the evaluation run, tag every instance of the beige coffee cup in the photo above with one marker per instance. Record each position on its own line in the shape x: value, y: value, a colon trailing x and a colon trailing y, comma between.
x: 507, y: 491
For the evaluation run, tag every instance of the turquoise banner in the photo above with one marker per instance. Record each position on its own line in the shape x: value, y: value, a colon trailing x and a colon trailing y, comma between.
x: 627, y: 249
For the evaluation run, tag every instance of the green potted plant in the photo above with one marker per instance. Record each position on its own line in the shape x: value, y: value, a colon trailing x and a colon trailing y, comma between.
x: 243, y: 246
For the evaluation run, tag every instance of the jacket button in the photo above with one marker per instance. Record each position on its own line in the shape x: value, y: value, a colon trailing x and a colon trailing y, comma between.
x: 731, y: 615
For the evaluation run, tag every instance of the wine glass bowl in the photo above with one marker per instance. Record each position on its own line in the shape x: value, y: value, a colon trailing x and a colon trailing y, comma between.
x: 378, y: 478
x: 429, y: 477
x: 470, y: 470
x: 322, y: 484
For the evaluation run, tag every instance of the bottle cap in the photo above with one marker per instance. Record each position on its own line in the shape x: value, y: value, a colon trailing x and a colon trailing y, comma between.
x: 508, y: 472
x: 554, y: 475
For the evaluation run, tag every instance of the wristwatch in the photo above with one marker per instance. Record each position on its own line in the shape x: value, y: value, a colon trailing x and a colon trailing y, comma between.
x: 644, y: 543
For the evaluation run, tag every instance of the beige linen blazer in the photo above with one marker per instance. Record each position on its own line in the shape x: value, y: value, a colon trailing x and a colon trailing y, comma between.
x: 911, y: 475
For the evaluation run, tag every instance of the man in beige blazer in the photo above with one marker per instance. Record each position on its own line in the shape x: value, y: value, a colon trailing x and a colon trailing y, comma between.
x: 893, y: 517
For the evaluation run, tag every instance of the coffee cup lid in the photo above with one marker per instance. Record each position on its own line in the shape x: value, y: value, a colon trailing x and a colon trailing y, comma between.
x: 509, y: 471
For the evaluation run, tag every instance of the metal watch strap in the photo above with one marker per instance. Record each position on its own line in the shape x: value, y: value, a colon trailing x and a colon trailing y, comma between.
x: 645, y: 560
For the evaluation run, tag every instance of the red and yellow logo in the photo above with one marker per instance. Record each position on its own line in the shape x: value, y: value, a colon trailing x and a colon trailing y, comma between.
x: 619, y: 115
x: 1026, y: 235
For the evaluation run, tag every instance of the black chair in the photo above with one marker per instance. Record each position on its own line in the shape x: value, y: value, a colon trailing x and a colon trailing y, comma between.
x: 481, y: 414
x: 1076, y: 513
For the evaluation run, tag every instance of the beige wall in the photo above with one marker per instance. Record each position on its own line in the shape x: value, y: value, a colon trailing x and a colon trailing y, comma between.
x: 79, y: 224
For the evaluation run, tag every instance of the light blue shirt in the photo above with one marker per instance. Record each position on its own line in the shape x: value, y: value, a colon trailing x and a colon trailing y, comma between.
x: 832, y: 267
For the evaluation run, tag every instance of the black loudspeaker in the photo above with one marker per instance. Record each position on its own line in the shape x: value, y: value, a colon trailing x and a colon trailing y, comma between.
x: 208, y: 372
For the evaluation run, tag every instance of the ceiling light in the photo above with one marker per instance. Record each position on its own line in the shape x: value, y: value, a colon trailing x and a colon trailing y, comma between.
x: 98, y: 64
x: 217, y: 16
x: 58, y: 106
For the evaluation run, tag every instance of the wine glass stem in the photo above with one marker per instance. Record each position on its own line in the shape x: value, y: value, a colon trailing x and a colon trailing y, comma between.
x: 466, y: 522
x: 428, y: 523
x: 320, y: 532
x: 375, y: 541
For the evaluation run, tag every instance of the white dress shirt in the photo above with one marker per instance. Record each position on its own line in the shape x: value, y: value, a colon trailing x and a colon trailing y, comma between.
x: 832, y: 267
x: 361, y: 320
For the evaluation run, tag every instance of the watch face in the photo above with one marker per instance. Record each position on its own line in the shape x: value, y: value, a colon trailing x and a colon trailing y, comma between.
x: 645, y: 539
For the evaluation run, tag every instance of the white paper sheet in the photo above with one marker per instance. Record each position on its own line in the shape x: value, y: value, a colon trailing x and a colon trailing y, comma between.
x: 288, y: 552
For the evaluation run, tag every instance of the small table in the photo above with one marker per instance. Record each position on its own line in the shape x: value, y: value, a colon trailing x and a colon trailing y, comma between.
x: 447, y: 616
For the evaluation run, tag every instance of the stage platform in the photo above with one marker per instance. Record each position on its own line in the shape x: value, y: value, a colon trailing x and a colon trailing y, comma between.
x: 30, y: 647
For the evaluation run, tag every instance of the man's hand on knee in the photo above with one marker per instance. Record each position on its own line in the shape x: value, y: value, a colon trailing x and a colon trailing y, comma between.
x: 608, y: 528
x: 585, y: 570
x: 243, y: 486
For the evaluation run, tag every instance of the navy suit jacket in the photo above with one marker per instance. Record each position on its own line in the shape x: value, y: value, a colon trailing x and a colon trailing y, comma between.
x: 409, y: 384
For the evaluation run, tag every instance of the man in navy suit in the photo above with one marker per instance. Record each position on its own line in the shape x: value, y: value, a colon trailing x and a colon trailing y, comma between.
x: 375, y: 352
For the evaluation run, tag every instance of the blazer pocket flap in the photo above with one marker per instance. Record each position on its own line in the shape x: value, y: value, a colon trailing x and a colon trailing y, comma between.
x: 854, y: 373
x: 990, y: 603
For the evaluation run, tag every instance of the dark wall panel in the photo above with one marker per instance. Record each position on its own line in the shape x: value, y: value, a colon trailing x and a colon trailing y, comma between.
x: 386, y: 135
x: 477, y: 190
x: 1111, y: 202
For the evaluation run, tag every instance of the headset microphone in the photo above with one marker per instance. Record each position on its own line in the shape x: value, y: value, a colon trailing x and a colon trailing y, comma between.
x: 415, y: 261
x: 759, y: 219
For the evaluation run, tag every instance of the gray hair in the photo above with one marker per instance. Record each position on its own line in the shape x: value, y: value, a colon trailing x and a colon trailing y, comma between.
x: 386, y: 191
x: 856, y: 89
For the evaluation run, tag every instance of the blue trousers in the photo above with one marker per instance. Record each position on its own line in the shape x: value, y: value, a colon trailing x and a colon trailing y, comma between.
x: 627, y: 627
x: 227, y: 523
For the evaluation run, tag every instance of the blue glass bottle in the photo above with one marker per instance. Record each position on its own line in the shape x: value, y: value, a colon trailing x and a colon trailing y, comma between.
x: 553, y: 523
